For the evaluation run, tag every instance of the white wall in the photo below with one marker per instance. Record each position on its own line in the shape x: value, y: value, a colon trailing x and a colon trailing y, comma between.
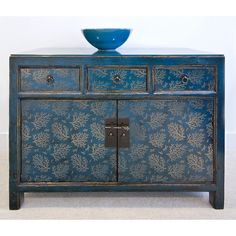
x: 213, y: 34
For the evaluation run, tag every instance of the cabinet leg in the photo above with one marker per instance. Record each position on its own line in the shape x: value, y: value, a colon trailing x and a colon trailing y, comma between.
x: 15, y: 200
x: 216, y: 199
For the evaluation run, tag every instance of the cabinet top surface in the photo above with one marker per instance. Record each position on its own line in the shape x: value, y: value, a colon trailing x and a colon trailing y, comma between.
x: 119, y: 52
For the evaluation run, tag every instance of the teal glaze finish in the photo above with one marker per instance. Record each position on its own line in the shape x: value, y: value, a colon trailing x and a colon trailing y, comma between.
x: 61, y: 79
x: 106, y: 39
x: 33, y: 113
x: 171, y: 141
x: 64, y: 141
x: 178, y: 78
x: 115, y: 79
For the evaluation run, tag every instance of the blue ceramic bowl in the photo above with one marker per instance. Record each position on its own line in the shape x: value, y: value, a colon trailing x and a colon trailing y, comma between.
x: 106, y: 39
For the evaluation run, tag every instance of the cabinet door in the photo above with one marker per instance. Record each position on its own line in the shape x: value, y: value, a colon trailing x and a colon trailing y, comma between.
x: 171, y: 141
x: 64, y: 141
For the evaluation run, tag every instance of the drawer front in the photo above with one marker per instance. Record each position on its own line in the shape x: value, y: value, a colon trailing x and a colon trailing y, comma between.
x: 64, y: 141
x: 178, y: 78
x: 50, y: 79
x: 117, y: 79
x: 171, y: 141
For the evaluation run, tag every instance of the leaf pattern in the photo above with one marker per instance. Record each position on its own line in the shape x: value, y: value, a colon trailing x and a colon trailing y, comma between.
x: 40, y: 120
x: 170, y: 78
x: 41, y: 163
x: 164, y: 145
x: 176, y: 131
x: 196, y: 162
x: 80, y: 140
x: 58, y: 144
x: 131, y: 79
x: 60, y: 131
x: 79, y: 120
x: 35, y: 79
x: 178, y: 147
x: 80, y: 163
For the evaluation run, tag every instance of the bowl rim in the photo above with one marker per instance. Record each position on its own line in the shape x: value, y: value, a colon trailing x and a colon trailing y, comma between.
x: 105, y: 29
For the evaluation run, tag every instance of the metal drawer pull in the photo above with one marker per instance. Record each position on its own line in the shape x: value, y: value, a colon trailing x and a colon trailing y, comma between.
x: 117, y: 79
x: 50, y: 79
x: 184, y: 78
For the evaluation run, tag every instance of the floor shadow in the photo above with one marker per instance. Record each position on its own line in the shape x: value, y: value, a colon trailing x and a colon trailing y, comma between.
x: 117, y: 200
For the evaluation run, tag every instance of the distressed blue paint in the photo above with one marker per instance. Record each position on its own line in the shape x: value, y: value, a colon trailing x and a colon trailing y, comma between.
x: 63, y: 79
x: 210, y: 87
x: 64, y: 141
x: 117, y: 79
x: 171, y: 141
x: 184, y: 78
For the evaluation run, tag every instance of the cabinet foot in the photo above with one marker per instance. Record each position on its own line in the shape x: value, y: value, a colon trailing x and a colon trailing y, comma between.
x: 15, y: 200
x: 216, y: 199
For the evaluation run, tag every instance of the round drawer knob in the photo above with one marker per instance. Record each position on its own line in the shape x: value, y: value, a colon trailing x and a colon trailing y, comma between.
x: 110, y: 134
x: 117, y: 78
x: 123, y: 134
x: 50, y: 79
x: 184, y: 79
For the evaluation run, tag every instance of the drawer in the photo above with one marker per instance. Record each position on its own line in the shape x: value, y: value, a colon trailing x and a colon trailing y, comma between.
x: 117, y: 79
x: 186, y: 77
x: 50, y: 79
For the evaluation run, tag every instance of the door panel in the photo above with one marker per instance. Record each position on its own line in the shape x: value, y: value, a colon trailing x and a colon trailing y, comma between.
x: 64, y: 141
x: 171, y: 141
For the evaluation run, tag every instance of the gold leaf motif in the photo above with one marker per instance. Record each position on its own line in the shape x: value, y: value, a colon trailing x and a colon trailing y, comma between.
x: 61, y: 170
x: 100, y: 171
x: 176, y: 131
x: 176, y: 171
x: 209, y: 129
x: 41, y: 163
x: 195, y: 162
x: 157, y: 140
x: 157, y: 163
x: 195, y: 119
x: 138, y: 170
x: 138, y: 150
x: 98, y: 131
x: 139, y: 131
x: 197, y: 104
x: 160, y: 75
x: 80, y: 140
x: 196, y: 139
x: 79, y: 120
x: 41, y: 139
x: 80, y: 163
x: 26, y: 133
x: 26, y: 149
x: 177, y: 108
x: 100, y: 73
x: 98, y: 151
x: 40, y: 120
x: 60, y: 131
x: 98, y: 108
x: 157, y: 119
x: 60, y: 151
x: 209, y: 153
x: 176, y: 151
x: 140, y: 73
x: 138, y: 85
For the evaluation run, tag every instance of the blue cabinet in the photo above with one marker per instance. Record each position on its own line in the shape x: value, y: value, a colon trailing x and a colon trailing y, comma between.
x: 112, y: 122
